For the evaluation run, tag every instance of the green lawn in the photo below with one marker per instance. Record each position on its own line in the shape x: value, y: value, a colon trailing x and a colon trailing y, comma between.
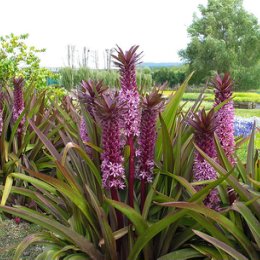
x: 238, y: 96
x: 247, y: 112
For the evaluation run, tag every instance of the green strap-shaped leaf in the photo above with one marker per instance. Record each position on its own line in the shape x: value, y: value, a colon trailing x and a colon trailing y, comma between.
x: 169, y: 114
x: 250, y: 219
x: 137, y: 219
x: 32, y: 239
x: 217, y: 243
x: 220, y: 219
x: 65, y: 232
x: 34, y: 181
x: 182, y: 254
x: 152, y: 231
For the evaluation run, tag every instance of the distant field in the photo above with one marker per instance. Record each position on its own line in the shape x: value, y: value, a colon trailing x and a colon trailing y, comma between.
x: 238, y: 112
x: 238, y: 96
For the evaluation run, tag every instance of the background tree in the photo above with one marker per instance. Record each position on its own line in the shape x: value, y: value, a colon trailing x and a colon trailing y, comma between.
x: 225, y: 37
x: 18, y: 59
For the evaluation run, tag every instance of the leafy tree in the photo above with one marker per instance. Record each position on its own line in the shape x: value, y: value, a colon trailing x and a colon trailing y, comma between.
x: 224, y: 37
x: 18, y: 59
x: 169, y: 75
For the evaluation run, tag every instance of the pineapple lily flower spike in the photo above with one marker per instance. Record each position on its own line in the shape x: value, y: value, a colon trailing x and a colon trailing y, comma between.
x: 151, y: 106
x: 87, y: 94
x: 108, y: 110
x: 225, y: 115
x: 18, y: 106
x: 126, y: 62
x: 204, y: 125
x: 1, y: 110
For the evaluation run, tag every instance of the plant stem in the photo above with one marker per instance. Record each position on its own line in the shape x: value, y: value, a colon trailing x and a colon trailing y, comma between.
x: 143, y: 193
x: 131, y: 171
x: 119, y: 216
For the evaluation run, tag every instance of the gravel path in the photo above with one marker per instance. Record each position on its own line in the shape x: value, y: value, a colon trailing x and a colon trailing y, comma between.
x: 11, y: 234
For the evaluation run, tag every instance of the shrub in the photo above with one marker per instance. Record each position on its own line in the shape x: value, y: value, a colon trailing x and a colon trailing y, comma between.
x: 18, y: 59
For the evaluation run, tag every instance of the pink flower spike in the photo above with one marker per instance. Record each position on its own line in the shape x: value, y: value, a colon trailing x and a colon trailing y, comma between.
x: 204, y: 125
x: 1, y: 110
x: 108, y: 110
x: 18, y: 106
x: 225, y: 115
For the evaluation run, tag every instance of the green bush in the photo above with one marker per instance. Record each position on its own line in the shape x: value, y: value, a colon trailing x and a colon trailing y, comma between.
x: 19, y: 59
x: 172, y: 76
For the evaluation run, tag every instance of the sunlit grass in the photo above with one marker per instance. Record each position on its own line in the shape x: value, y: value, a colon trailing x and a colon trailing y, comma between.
x: 238, y: 96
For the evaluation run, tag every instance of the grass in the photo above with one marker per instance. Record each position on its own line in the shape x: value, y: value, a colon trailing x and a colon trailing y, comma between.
x: 247, y: 112
x: 242, y: 151
x: 238, y: 96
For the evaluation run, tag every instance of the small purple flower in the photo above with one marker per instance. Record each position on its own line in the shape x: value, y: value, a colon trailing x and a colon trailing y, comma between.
x: 131, y: 121
x: 152, y: 105
x: 18, y: 106
x: 108, y: 110
x: 84, y: 134
x: 225, y: 115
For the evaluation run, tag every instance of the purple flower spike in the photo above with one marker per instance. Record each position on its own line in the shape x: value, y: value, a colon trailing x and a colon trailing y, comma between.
x: 84, y: 134
x: 204, y: 126
x: 108, y: 110
x: 225, y: 115
x: 1, y: 110
x: 18, y: 106
x: 152, y: 105
x: 89, y: 91
x: 129, y: 94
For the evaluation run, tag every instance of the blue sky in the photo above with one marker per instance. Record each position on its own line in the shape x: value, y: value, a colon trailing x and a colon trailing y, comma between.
x: 159, y: 27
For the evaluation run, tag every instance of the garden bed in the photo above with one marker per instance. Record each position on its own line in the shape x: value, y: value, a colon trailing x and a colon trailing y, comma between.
x: 11, y: 234
x: 245, y: 105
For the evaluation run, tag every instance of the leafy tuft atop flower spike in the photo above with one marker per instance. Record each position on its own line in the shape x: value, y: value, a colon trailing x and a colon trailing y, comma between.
x: 108, y: 110
x: 203, y: 122
x: 89, y: 90
x: 223, y: 87
x: 127, y: 63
